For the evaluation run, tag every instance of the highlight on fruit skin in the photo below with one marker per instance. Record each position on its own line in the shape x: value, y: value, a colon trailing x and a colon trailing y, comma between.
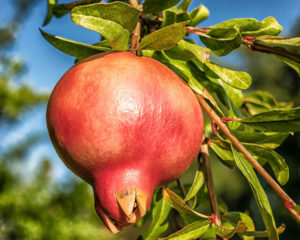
x: 126, y: 125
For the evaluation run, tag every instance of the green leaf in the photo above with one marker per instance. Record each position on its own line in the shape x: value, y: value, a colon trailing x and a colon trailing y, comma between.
x: 198, y: 15
x: 222, y: 40
x: 261, y: 101
x: 187, y: 213
x: 186, y: 51
x: 264, y: 155
x: 259, y: 194
x: 191, y: 231
x: 292, y: 62
x: 238, y: 80
x: 174, y: 15
x: 51, y: 5
x: 159, y: 222
x: 297, y: 209
x: 197, y: 183
x: 278, y: 41
x: 266, y: 139
x: 252, y: 27
x: 155, y: 6
x: 164, y: 38
x: 260, y: 234
x: 223, y: 153
x: 118, y: 12
x: 76, y: 49
x: 226, y: 232
x: 275, y: 120
x: 94, y: 16
x: 235, y: 217
x: 184, y: 5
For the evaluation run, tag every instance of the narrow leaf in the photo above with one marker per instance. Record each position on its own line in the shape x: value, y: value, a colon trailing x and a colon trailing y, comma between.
x: 252, y: 27
x: 118, y: 12
x: 191, y: 231
x: 261, y: 234
x: 156, y: 6
x: 186, y: 51
x: 225, y: 232
x: 188, y: 214
x: 86, y: 16
x: 198, y: 15
x: 276, y: 120
x: 51, y: 5
x: 259, y: 194
x: 266, y: 139
x: 277, y: 162
x: 197, y: 183
x: 235, y: 217
x: 238, y: 80
x: 223, y: 153
x: 76, y: 49
x: 159, y: 222
x: 164, y: 38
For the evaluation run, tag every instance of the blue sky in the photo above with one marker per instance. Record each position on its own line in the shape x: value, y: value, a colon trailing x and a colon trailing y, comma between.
x: 46, y: 64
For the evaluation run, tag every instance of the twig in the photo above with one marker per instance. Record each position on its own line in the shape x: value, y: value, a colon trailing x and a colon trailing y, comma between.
x: 209, y: 182
x: 289, y: 203
x: 136, y: 34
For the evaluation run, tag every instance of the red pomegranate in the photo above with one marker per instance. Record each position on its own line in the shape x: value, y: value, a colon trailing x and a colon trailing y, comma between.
x: 124, y: 124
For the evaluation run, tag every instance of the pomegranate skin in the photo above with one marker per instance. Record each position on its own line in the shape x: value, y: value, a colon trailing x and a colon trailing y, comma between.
x: 125, y: 124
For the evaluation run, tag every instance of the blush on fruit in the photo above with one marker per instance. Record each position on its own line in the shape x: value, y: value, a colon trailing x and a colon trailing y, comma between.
x: 126, y: 125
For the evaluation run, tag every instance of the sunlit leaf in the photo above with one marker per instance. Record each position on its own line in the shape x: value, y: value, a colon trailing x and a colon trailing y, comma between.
x: 235, y: 217
x: 174, y: 15
x: 222, y: 40
x: 155, y: 6
x: 97, y: 17
x: 164, y: 38
x: 159, y: 222
x: 198, y: 15
x: 76, y: 49
x: 238, y: 80
x: 186, y: 51
x: 188, y: 214
x: 259, y: 194
x: 225, y: 232
x: 223, y: 153
x: 252, y: 27
x: 190, y: 232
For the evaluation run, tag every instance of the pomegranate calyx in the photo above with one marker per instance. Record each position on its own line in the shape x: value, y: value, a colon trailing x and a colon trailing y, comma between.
x: 133, y: 203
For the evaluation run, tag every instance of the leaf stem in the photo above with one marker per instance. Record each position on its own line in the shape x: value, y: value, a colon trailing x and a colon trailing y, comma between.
x: 209, y: 182
x: 282, y: 194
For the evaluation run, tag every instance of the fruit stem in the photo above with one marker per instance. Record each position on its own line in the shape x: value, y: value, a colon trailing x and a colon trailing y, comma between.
x: 136, y: 34
x: 204, y: 156
x: 218, y: 121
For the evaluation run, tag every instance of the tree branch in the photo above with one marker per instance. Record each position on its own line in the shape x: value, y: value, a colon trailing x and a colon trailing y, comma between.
x: 289, y: 203
x: 209, y: 182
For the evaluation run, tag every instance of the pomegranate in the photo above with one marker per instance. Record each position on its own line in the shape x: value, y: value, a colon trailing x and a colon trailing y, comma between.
x: 124, y: 124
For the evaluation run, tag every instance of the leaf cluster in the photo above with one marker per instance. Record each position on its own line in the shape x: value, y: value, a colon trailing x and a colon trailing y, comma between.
x: 256, y: 118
